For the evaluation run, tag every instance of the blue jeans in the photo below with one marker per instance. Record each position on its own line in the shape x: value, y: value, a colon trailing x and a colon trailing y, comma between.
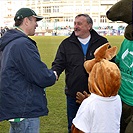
x: 72, y: 108
x: 28, y: 125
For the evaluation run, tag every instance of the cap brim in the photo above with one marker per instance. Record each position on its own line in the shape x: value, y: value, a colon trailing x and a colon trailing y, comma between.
x: 38, y: 18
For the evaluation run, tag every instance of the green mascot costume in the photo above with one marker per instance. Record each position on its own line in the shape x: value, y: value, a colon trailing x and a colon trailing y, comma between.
x: 123, y: 11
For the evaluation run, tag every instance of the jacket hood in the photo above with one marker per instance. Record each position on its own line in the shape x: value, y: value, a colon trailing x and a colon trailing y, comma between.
x: 9, y: 36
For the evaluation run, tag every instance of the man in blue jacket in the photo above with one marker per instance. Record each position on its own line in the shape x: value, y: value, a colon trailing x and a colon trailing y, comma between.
x: 23, y: 76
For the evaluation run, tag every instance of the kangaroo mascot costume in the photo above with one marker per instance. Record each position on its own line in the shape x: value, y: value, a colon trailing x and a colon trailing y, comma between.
x: 101, y: 111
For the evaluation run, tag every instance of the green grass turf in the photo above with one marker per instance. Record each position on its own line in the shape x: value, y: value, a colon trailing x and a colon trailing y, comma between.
x: 56, y: 121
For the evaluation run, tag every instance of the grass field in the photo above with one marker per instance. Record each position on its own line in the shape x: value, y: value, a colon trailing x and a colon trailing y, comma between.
x: 56, y: 121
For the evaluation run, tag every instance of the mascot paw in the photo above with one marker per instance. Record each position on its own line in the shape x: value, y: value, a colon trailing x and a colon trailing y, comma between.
x: 81, y: 96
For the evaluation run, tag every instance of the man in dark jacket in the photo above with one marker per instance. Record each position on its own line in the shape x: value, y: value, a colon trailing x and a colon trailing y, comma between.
x: 71, y: 54
x: 23, y: 76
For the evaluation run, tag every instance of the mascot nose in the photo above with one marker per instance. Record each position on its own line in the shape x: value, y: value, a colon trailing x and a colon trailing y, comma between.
x: 107, y: 13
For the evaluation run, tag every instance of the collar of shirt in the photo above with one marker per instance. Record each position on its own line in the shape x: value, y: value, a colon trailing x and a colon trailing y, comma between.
x: 85, y: 40
x: 18, y: 28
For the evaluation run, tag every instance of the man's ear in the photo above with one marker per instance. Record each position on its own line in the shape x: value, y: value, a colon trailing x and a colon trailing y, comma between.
x: 26, y: 21
x: 90, y: 27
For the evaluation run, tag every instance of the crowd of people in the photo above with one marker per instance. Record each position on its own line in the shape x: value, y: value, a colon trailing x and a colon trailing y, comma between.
x: 3, y: 30
x: 24, y: 77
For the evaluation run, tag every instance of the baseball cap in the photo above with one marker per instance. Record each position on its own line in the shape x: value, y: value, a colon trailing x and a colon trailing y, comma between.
x: 26, y: 12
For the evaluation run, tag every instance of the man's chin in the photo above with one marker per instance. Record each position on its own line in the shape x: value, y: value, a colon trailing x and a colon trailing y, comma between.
x: 76, y: 34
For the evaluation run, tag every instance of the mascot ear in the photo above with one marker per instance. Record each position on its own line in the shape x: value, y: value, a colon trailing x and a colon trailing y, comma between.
x: 88, y: 65
x: 104, y: 52
x: 129, y: 32
x: 110, y: 53
x: 100, y: 52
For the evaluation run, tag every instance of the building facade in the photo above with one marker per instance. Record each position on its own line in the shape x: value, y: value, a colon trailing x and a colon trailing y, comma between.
x: 60, y: 14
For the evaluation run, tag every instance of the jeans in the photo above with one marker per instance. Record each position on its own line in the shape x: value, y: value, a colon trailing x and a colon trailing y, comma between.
x: 28, y: 125
x: 72, y: 108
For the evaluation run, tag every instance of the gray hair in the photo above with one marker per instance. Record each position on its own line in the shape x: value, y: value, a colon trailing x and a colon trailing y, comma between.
x: 88, y: 18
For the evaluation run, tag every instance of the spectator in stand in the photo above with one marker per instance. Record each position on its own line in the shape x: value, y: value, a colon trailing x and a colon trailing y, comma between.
x: 6, y: 28
x: 2, y: 31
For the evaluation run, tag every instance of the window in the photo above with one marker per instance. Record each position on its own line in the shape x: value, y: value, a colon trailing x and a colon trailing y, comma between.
x: 103, y: 19
x: 47, y: 9
x: 68, y: 19
x: 47, y: 19
x: 55, y: 9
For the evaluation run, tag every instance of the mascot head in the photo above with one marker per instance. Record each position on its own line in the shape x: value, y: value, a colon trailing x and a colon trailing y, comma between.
x: 104, y: 75
x: 123, y: 11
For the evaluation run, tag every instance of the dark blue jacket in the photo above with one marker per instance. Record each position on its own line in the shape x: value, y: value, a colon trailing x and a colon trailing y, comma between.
x: 23, y: 77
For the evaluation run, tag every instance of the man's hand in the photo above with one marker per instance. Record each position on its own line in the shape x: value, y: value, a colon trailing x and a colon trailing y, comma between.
x: 81, y: 96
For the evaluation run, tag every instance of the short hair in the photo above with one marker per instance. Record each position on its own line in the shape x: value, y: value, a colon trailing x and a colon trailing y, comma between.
x: 88, y: 18
x: 18, y: 22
